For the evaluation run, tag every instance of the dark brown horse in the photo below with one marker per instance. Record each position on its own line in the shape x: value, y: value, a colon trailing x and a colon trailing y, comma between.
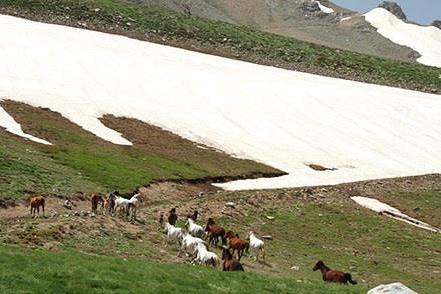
x: 36, y: 202
x: 194, y: 216
x: 333, y: 276
x: 229, y: 263
x: 237, y: 244
x: 172, y: 217
x: 95, y: 199
x: 215, y: 232
x: 109, y: 204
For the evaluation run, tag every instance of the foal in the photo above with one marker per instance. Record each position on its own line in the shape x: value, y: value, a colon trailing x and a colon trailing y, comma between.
x: 229, y: 263
x: 333, y: 276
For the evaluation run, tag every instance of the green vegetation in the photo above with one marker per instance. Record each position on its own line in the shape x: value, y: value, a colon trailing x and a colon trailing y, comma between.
x: 80, y: 162
x: 39, y: 271
x: 158, y: 25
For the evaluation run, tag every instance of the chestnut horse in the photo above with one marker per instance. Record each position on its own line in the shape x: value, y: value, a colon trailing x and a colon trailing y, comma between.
x: 237, y: 244
x: 36, y: 202
x: 229, y: 263
x: 333, y: 276
x: 214, y: 232
x: 95, y: 199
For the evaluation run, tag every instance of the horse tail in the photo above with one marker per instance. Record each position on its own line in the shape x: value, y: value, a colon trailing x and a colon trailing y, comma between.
x: 349, y: 279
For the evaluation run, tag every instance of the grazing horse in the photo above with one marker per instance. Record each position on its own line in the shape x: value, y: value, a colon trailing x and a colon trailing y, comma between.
x: 95, y: 199
x: 333, y: 276
x: 172, y: 216
x: 229, y: 263
x: 214, y: 232
x: 237, y: 244
x: 36, y: 202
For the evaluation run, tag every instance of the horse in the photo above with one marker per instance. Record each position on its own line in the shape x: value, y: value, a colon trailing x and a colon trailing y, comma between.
x: 257, y: 245
x: 229, y: 263
x: 36, y: 202
x: 203, y: 256
x: 193, y: 228
x: 96, y: 198
x: 214, y: 232
x: 109, y: 203
x: 194, y: 216
x: 129, y: 205
x: 333, y: 276
x: 237, y: 244
x: 172, y: 216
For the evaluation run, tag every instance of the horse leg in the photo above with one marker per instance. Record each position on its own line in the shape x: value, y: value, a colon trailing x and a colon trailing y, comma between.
x: 42, y: 207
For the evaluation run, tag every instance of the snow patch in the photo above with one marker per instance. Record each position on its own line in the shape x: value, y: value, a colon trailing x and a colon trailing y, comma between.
x: 278, y: 117
x: 425, y: 40
x: 383, y: 208
x: 8, y: 122
x: 323, y: 8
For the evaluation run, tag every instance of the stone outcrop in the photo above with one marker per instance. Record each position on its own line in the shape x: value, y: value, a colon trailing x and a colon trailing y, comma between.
x: 393, y: 8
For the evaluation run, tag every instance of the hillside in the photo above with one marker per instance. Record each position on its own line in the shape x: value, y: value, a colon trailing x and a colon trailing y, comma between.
x: 105, y: 95
x: 303, y: 20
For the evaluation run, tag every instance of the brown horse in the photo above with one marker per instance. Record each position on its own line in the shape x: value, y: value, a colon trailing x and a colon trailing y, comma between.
x: 237, y: 244
x: 333, y: 276
x: 95, y: 199
x: 229, y: 263
x: 214, y: 232
x: 36, y: 202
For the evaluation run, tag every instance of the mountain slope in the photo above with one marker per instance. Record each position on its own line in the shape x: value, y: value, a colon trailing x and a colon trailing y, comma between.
x: 301, y: 19
x: 230, y: 105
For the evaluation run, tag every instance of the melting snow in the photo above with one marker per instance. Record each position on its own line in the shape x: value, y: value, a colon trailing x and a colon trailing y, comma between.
x: 425, y: 40
x: 278, y: 117
x: 380, y: 207
x: 7, y: 122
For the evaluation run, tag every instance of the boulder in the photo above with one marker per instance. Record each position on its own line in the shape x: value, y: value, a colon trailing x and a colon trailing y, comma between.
x: 393, y: 8
x: 394, y: 288
x: 437, y: 24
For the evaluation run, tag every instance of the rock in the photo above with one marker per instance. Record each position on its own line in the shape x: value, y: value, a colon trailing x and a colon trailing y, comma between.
x: 270, y: 217
x: 295, y: 268
x: 437, y: 24
x: 393, y: 8
x: 394, y: 288
x: 230, y: 204
x: 267, y: 237
x: 310, y: 7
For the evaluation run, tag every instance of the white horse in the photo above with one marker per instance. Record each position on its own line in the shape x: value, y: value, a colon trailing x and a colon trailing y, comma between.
x: 128, y: 205
x: 194, y: 229
x: 189, y: 243
x: 173, y: 233
x: 257, y: 245
x: 203, y: 256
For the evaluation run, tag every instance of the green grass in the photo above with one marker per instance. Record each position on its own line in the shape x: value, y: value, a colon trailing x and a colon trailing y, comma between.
x: 375, y: 249
x: 40, y: 271
x: 231, y: 40
x: 79, y: 161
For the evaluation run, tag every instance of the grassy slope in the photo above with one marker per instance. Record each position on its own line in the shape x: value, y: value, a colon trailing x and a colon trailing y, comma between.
x: 79, y: 161
x: 38, y: 271
x: 226, y: 39
x: 375, y: 249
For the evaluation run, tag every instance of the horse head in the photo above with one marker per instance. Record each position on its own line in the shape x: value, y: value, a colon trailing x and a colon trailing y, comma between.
x: 320, y: 264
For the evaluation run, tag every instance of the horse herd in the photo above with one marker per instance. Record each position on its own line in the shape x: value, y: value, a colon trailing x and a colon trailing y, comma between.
x: 195, y: 240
